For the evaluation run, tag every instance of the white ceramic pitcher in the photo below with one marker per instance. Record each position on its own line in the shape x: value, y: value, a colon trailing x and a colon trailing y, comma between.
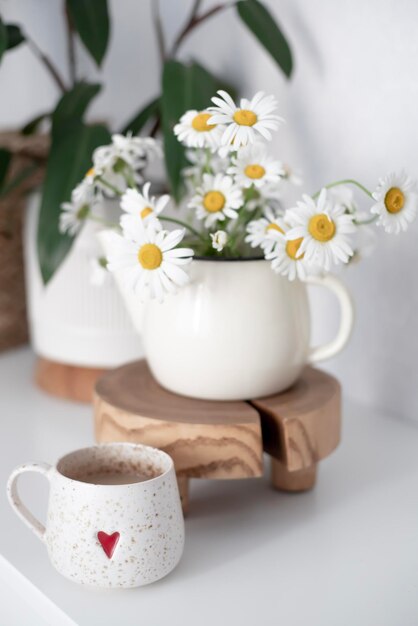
x: 236, y: 331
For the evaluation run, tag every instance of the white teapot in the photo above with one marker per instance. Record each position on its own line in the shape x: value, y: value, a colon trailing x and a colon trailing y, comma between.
x: 237, y: 331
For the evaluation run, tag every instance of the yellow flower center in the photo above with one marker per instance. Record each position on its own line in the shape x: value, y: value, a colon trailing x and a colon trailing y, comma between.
x: 254, y: 171
x: 321, y: 227
x: 244, y: 117
x: 274, y: 226
x: 145, y: 212
x: 150, y: 256
x: 394, y: 200
x: 90, y: 172
x: 292, y: 248
x: 200, y: 122
x: 214, y: 201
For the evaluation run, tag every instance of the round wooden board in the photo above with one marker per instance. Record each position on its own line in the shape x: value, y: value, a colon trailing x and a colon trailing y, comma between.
x: 302, y: 425
x: 205, y: 439
x: 224, y: 439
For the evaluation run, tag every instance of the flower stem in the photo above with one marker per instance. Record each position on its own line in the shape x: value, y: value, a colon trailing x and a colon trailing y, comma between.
x: 49, y: 65
x: 180, y: 223
x: 159, y: 29
x: 347, y: 181
x: 100, y: 220
x: 130, y: 179
x: 115, y: 190
x: 365, y: 222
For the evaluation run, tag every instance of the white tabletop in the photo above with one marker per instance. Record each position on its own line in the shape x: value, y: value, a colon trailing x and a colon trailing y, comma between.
x: 344, y: 554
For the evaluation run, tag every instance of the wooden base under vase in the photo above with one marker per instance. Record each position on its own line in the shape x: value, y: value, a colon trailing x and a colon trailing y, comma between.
x: 67, y: 381
x: 224, y: 440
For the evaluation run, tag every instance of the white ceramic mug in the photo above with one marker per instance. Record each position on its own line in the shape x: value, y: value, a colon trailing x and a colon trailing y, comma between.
x: 237, y: 331
x: 109, y: 534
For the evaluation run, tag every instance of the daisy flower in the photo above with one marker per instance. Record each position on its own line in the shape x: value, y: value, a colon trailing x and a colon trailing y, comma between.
x: 253, y: 166
x: 396, y: 202
x: 195, y: 131
x: 149, y: 261
x: 216, y: 199
x: 74, y: 213
x: 141, y: 205
x: 286, y: 258
x: 324, y: 228
x: 83, y: 193
x: 248, y: 121
x: 123, y: 158
x: 219, y: 240
x: 265, y: 231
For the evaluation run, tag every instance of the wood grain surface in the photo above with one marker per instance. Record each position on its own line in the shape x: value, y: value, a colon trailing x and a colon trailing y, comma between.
x: 208, y: 439
x: 303, y: 424
x: 205, y: 439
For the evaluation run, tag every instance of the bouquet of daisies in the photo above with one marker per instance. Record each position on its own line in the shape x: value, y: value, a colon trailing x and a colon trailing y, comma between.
x: 234, y: 203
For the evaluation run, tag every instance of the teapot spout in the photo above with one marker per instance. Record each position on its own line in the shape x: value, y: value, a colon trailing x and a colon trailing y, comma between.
x: 133, y: 304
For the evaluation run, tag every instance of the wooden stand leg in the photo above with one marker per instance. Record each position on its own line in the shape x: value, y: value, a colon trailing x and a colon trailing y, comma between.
x: 183, y: 484
x: 282, y: 479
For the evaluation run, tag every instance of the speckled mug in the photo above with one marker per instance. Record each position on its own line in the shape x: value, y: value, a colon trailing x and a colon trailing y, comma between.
x: 107, y: 535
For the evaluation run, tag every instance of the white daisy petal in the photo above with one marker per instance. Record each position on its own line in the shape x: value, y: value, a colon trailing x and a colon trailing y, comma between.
x: 265, y: 232
x: 323, y: 230
x: 197, y: 129
x: 396, y: 202
x: 172, y: 239
x: 245, y: 122
x: 143, y: 207
x: 252, y: 166
x: 217, y: 198
x: 177, y: 275
x: 148, y: 259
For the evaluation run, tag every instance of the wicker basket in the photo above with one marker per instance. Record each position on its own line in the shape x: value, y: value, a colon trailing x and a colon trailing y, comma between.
x: 26, y: 151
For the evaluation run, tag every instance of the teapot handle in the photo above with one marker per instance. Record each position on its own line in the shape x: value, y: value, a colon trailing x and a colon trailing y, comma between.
x: 330, y: 349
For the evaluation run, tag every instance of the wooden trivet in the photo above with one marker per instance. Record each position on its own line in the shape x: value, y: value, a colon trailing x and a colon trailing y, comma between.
x: 218, y: 440
x: 67, y: 381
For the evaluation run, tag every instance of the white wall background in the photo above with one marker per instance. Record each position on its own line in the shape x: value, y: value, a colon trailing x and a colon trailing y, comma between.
x: 351, y: 110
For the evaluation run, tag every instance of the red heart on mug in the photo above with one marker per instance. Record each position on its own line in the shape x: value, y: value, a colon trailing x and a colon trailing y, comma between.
x: 108, y: 542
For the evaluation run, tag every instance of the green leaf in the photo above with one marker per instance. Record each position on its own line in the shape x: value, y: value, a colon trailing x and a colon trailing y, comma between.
x: 91, y: 21
x: 183, y: 87
x: 73, y: 105
x: 261, y: 23
x: 14, y: 36
x: 136, y: 124
x: 32, y: 126
x: 69, y: 159
x: 3, y: 38
x: 5, y: 158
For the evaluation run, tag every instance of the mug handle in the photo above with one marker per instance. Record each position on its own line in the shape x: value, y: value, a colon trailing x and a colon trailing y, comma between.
x: 17, y: 504
x: 335, y: 346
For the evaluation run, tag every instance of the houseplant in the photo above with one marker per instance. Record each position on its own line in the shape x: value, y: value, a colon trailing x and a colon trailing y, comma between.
x: 73, y: 140
x: 239, y: 327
